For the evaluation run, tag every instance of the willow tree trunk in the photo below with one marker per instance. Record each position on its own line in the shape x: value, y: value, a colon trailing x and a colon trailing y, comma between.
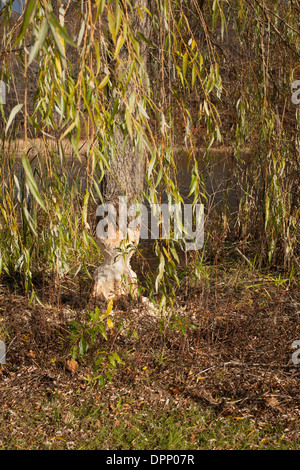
x: 115, y: 276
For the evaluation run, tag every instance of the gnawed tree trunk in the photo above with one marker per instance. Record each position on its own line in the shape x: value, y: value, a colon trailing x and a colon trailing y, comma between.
x: 115, y: 276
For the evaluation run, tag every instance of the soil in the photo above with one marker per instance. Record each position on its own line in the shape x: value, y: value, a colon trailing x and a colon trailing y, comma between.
x: 227, y: 348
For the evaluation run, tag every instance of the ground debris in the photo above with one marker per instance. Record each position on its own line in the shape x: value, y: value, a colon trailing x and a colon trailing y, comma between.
x: 234, y: 358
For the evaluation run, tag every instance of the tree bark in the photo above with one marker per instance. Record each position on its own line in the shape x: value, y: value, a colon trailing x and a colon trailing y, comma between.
x: 115, y: 276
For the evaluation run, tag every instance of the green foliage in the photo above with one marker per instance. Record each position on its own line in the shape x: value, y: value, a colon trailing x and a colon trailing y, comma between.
x: 88, y: 333
x: 93, y: 82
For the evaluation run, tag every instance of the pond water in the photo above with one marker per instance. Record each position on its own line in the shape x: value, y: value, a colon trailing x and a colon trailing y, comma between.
x: 216, y: 170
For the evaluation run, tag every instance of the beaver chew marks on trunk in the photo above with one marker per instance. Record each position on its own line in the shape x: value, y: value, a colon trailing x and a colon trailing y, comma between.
x: 127, y: 166
x: 115, y: 276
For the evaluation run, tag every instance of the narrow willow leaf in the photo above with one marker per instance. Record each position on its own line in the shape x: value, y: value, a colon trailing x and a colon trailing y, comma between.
x: 147, y: 41
x: 60, y: 30
x: 118, y: 16
x: 17, y: 184
x: 219, y: 136
x: 69, y: 129
x: 85, y: 207
x: 128, y: 120
x: 161, y: 270
x: 119, y: 45
x: 130, y: 73
x: 194, y: 74
x: 142, y: 111
x: 115, y: 109
x: 159, y: 177
x: 28, y: 15
x: 135, y: 334
x: 31, y: 182
x: 81, y: 33
x: 146, y: 10
x: 151, y: 164
x: 59, y: 44
x: 206, y: 108
x: 131, y: 103
x: 112, y: 360
x: 102, y: 380
x: 101, y: 6
x: 12, y: 115
x: 184, y: 64
x: 60, y: 36
x: 112, y: 26
x: 109, y: 307
x: 30, y: 220
x: 194, y: 185
x: 201, y: 61
x: 103, y: 82
x: 39, y: 42
x: 175, y: 255
x: 98, y: 58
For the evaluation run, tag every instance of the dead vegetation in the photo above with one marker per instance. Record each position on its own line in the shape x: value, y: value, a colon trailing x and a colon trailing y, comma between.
x: 226, y: 350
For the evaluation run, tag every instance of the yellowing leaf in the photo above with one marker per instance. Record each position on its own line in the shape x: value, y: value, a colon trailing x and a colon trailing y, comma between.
x: 103, y: 82
x: 184, y: 63
x: 109, y: 307
x: 119, y: 44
